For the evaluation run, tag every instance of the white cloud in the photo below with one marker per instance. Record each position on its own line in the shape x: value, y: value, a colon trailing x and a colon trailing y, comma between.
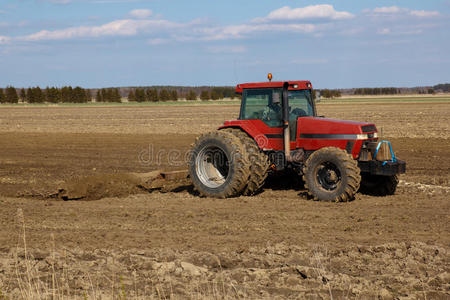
x: 388, y: 10
x: 399, y: 31
x: 241, y: 31
x: 424, y: 13
x: 4, y: 39
x: 323, y: 11
x: 395, y: 10
x: 310, y: 61
x: 226, y: 49
x: 384, y: 31
x: 125, y: 27
x: 157, y: 41
x: 141, y: 13
x: 60, y: 1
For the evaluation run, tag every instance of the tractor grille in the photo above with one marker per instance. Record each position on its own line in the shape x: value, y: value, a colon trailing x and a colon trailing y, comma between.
x: 368, y: 128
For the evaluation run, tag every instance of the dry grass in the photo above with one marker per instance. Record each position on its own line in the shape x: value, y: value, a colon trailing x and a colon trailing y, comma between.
x: 31, y: 282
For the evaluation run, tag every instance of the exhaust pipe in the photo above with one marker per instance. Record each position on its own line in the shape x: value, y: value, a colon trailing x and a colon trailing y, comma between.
x: 285, y: 117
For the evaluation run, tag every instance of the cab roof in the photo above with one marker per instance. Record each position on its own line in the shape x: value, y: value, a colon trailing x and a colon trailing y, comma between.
x: 301, y: 85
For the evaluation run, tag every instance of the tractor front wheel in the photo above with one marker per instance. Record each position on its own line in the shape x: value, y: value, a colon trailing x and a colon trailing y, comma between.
x: 330, y: 174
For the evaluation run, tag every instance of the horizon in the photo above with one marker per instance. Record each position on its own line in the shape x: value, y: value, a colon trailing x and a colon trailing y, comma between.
x: 214, y: 86
x: 122, y: 43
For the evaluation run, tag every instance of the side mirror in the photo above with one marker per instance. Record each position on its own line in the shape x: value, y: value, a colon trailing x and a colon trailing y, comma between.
x: 317, y: 99
x: 276, y: 99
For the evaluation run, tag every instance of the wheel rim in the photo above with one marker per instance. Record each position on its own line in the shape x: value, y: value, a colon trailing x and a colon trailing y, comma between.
x: 328, y: 176
x: 212, y: 166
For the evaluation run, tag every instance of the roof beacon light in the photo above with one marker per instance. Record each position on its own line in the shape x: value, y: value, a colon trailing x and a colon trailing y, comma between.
x: 269, y: 76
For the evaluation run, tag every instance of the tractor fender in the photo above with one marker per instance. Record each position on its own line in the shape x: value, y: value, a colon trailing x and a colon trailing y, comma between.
x: 250, y: 129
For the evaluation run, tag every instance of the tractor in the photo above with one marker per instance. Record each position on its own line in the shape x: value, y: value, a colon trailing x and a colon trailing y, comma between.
x: 278, y: 129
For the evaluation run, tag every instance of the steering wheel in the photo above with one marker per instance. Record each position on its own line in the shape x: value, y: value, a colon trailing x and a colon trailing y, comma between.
x: 299, y: 112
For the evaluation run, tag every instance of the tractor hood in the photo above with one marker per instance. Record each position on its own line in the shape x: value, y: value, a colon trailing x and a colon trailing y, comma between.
x: 315, y: 127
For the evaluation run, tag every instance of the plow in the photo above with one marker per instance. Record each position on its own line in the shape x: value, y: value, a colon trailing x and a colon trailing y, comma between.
x: 101, y: 186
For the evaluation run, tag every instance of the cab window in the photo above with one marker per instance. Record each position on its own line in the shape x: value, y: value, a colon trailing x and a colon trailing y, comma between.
x: 262, y: 104
x: 300, y: 104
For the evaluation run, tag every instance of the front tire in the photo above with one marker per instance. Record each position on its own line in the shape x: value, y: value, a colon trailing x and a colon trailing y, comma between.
x: 330, y: 174
x: 218, y: 165
x: 378, y: 185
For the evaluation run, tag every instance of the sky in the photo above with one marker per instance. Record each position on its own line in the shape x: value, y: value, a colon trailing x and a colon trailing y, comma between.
x: 334, y: 44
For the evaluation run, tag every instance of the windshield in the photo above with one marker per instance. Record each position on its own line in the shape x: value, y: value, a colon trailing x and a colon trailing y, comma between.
x: 300, y: 104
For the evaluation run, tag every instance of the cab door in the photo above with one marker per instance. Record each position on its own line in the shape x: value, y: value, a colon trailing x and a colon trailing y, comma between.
x: 262, y: 104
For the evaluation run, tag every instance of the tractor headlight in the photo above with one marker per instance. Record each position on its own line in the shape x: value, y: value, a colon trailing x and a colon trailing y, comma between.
x: 362, y: 136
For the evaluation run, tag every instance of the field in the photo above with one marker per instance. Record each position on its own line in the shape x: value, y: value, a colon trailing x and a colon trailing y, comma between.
x: 127, y: 243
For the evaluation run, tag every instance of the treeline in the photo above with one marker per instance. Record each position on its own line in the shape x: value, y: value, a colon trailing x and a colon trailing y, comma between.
x: 443, y: 87
x: 377, y: 91
x: 155, y: 94
x: 66, y: 94
x: 330, y: 93
x: 108, y: 95
x: 151, y: 95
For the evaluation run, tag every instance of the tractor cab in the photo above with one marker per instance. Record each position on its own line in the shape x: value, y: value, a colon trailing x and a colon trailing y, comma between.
x: 264, y: 102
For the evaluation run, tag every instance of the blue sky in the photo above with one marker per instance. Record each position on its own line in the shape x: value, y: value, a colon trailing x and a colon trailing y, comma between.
x: 335, y: 44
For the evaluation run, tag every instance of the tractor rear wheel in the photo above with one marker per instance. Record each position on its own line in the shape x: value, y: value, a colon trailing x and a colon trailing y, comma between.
x: 218, y: 165
x: 377, y: 185
x: 330, y: 174
x: 259, y: 162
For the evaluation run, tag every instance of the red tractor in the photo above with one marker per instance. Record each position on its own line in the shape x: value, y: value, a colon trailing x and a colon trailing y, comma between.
x: 278, y: 128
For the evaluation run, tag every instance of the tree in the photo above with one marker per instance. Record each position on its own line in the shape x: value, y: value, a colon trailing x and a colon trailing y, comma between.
x: 2, y: 96
x: 330, y: 93
x: 218, y: 93
x: 131, y: 96
x: 214, y: 95
x: 151, y: 95
x: 204, y: 95
x: 29, y: 96
x: 174, y: 95
x: 78, y: 95
x: 39, y: 95
x: 52, y: 95
x: 11, y: 95
x: 106, y: 95
x: 88, y: 95
x: 140, y: 95
x: 164, y: 95
x: 67, y: 94
x: 23, y: 95
x: 191, y: 95
x: 115, y: 96
x: 98, y: 96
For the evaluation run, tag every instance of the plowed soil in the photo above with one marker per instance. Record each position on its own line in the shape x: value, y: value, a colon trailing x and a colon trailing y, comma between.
x: 134, y: 244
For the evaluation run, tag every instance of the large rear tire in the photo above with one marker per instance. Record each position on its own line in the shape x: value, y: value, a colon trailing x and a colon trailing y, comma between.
x: 377, y: 185
x: 218, y: 165
x: 330, y: 174
x: 259, y: 162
